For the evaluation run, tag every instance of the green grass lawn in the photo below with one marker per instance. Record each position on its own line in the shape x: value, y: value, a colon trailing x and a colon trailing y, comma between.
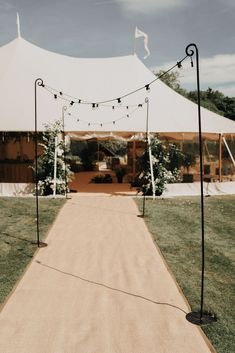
x: 175, y: 226
x: 18, y: 235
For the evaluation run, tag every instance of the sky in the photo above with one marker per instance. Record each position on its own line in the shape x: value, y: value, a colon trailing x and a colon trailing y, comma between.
x: 105, y: 28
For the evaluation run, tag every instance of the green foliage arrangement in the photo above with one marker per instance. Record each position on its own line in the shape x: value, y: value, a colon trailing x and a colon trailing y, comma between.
x: 167, y: 161
x: 116, y: 147
x: 189, y: 160
x: 46, y: 162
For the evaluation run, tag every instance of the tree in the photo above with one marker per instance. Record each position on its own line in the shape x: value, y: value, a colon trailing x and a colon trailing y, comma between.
x: 46, y: 162
x: 171, y: 79
x: 215, y: 101
x: 212, y: 100
x: 230, y: 107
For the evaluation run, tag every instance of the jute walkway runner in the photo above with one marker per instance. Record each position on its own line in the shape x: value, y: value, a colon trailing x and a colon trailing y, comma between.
x: 100, y: 286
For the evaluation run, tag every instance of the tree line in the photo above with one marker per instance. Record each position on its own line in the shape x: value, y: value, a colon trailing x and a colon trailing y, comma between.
x: 215, y: 101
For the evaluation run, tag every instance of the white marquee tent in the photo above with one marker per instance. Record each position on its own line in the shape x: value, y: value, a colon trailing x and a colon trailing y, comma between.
x: 93, y: 80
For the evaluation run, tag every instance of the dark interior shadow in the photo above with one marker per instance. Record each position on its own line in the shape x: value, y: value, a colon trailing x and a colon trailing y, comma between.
x: 111, y: 288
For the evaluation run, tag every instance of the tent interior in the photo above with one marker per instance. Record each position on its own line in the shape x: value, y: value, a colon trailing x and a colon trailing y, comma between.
x: 17, y: 154
x: 98, y: 100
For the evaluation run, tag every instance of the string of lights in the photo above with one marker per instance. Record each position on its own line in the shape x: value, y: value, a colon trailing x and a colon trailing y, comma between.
x: 110, y: 122
x: 94, y: 104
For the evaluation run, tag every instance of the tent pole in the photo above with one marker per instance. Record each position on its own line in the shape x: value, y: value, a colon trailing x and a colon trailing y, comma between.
x: 151, y: 167
x: 220, y: 158
x: 55, y: 167
x: 38, y: 82
x: 149, y: 149
x: 134, y: 158
x: 203, y: 157
x: 207, y: 151
x: 134, y: 43
x: 64, y: 108
x: 200, y: 317
x: 229, y: 151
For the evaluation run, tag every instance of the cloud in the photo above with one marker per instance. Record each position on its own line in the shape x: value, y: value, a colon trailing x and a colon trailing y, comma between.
x: 146, y: 6
x: 217, y: 69
x: 6, y: 6
x: 217, y: 72
x: 106, y: 2
x: 229, y: 3
x: 227, y: 90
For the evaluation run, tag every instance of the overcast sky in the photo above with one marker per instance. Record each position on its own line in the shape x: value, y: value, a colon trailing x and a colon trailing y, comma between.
x: 104, y: 28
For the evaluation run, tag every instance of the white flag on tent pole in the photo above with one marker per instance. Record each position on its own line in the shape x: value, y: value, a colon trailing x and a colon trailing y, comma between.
x: 139, y: 34
x: 18, y: 24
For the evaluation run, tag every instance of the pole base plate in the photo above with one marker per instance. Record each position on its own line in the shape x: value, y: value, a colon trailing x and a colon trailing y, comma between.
x: 42, y: 244
x: 197, y: 319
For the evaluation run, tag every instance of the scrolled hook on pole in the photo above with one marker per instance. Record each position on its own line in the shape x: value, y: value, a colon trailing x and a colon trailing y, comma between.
x: 39, y: 82
x: 190, y: 52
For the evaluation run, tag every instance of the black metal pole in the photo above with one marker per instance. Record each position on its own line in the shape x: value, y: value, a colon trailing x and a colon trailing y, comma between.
x: 199, y: 318
x: 38, y: 82
x: 201, y: 176
x: 146, y: 152
x: 146, y: 147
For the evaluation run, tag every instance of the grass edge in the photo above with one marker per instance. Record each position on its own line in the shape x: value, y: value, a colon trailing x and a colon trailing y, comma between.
x: 2, y: 305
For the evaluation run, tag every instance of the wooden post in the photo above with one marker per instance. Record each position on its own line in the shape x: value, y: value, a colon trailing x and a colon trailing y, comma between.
x: 181, y: 146
x: 21, y: 147
x: 134, y: 158
x: 220, y: 157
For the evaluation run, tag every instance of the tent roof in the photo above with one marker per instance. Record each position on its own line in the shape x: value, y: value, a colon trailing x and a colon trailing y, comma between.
x: 93, y: 80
